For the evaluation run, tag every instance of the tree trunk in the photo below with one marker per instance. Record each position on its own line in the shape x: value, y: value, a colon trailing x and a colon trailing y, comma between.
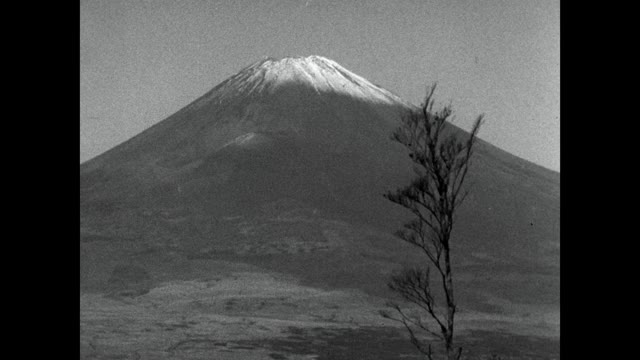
x: 451, y: 305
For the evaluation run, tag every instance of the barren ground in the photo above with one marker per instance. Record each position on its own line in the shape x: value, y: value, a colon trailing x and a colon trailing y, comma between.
x: 248, y: 313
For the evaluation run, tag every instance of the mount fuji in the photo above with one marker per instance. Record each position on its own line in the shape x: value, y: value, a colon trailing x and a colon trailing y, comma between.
x: 282, y: 167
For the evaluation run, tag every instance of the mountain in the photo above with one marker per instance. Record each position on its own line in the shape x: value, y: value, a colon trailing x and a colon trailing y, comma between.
x: 283, y: 166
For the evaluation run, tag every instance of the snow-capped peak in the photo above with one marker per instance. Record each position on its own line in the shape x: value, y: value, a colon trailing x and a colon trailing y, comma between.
x: 316, y: 72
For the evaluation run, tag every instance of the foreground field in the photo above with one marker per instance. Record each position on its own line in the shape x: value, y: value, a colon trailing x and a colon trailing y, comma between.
x: 247, y: 314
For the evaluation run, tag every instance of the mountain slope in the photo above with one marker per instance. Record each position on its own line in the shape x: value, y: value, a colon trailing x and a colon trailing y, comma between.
x: 284, y: 165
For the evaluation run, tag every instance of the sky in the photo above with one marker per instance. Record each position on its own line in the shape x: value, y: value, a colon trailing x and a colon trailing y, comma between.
x: 143, y: 60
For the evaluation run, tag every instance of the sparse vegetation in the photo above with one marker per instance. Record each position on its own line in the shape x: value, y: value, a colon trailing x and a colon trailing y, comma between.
x: 441, y: 160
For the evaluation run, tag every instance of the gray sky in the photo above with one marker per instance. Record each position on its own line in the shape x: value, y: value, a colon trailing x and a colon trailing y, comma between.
x: 142, y: 60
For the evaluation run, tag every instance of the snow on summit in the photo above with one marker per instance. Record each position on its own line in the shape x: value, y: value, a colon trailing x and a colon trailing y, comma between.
x: 316, y: 72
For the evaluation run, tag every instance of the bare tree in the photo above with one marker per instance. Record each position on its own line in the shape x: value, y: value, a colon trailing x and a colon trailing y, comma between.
x: 441, y: 160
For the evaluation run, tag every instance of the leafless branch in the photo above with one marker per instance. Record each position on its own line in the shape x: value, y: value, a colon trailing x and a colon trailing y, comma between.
x: 441, y: 162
